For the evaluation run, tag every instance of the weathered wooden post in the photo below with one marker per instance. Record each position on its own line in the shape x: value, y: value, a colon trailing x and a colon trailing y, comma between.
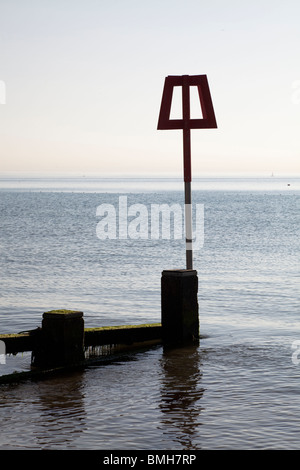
x: 61, y: 340
x: 179, y: 288
x: 179, y: 306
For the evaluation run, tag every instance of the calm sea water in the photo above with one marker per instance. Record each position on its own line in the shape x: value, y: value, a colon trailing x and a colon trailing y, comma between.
x: 239, y: 389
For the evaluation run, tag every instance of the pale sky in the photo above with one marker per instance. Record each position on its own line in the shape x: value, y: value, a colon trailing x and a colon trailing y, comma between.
x: 81, y: 84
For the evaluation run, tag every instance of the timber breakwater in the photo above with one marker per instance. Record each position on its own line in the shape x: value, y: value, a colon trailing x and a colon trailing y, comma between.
x: 62, y: 342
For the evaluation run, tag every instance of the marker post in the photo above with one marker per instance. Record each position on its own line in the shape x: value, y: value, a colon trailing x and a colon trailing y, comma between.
x: 179, y: 288
x: 207, y: 121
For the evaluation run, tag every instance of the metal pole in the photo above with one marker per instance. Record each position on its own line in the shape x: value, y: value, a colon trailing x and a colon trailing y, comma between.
x: 187, y: 171
x: 188, y: 225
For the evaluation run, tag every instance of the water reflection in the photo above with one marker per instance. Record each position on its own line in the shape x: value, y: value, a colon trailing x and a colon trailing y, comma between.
x: 180, y: 395
x: 62, y: 411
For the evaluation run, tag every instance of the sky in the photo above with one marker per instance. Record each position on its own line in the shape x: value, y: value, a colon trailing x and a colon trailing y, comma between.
x: 81, y: 85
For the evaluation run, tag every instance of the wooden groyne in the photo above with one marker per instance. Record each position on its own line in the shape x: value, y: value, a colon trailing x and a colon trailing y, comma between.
x: 126, y: 335
x: 63, y: 342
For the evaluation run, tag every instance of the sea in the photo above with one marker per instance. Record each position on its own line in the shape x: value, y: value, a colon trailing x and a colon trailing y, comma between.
x: 61, y: 246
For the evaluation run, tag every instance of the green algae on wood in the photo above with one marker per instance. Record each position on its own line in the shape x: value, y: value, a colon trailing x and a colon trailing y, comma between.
x: 126, y: 334
x: 119, y: 327
x: 19, y: 342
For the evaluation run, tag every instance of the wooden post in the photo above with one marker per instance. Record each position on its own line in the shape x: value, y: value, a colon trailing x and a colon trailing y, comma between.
x: 179, y: 304
x: 61, y: 342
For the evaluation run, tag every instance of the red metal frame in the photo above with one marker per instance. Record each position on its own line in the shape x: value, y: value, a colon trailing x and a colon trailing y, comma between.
x: 185, y: 81
x: 207, y: 122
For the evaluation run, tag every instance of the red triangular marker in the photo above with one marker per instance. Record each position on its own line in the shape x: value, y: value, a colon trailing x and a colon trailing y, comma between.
x: 207, y: 122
